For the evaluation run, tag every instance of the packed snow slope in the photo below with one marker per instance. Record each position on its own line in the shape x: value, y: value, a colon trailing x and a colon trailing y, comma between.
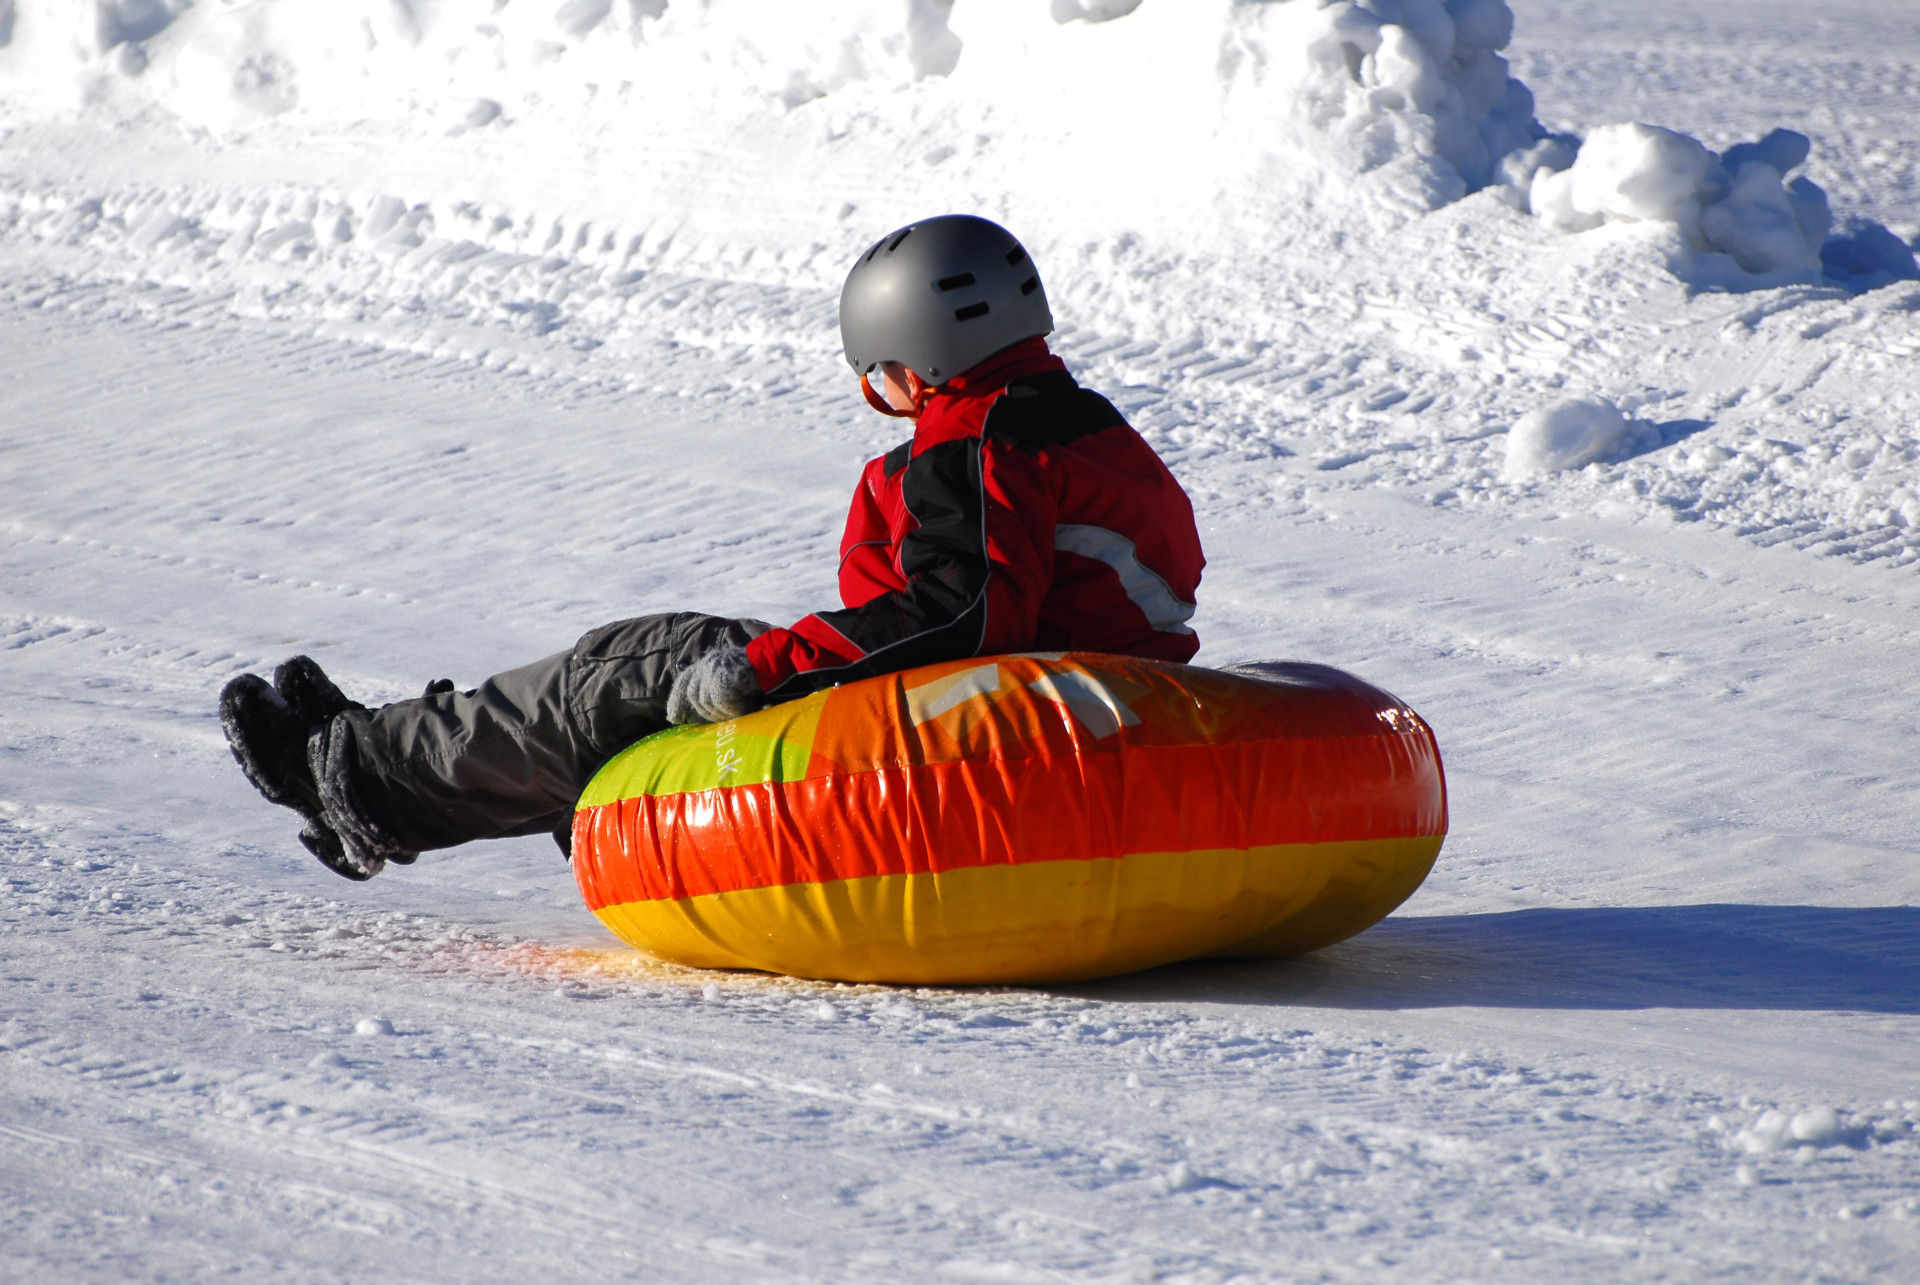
x: 1552, y: 367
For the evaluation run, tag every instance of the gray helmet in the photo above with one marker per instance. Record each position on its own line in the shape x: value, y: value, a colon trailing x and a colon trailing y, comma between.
x: 941, y: 296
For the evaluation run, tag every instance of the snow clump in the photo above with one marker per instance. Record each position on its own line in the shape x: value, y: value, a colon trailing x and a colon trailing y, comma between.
x: 1571, y: 435
x: 1775, y: 1130
x: 1740, y: 204
x: 1420, y: 77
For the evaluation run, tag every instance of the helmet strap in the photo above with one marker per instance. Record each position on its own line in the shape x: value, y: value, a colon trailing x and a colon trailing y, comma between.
x: 881, y: 404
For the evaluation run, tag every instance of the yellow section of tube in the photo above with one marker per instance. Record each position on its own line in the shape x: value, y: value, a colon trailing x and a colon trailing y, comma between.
x: 1045, y: 921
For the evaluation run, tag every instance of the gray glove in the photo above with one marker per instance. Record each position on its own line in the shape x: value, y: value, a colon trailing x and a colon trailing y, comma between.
x: 716, y: 688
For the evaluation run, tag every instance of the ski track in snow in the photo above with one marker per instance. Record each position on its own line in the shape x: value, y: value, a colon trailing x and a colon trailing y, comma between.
x: 1652, y: 1018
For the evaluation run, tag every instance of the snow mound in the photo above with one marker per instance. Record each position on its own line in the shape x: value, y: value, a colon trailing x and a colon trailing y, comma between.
x: 224, y: 66
x: 1414, y: 92
x: 1740, y: 204
x: 1265, y: 121
x: 1413, y: 78
x: 1571, y: 435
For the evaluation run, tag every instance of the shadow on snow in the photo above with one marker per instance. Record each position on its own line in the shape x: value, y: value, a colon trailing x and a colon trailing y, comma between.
x: 1794, y: 958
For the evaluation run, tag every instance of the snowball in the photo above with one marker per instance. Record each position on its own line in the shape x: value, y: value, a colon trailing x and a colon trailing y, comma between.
x: 711, y: 992
x: 1181, y: 1177
x: 1566, y: 436
x: 373, y: 1026
x: 1818, y: 1127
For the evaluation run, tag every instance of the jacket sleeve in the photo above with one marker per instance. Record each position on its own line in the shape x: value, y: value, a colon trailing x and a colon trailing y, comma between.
x: 977, y: 565
x: 866, y: 550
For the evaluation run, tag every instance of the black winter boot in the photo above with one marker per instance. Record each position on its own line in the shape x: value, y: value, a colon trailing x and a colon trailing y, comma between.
x: 315, y: 697
x: 323, y: 843
x: 309, y: 692
x: 269, y: 741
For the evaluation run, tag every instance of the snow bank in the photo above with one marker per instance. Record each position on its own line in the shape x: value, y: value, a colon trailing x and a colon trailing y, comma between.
x: 1227, y: 118
x: 1411, y: 91
x: 225, y: 64
x: 1571, y: 435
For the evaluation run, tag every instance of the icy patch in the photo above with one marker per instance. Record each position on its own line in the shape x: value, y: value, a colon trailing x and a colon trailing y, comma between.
x: 1571, y: 435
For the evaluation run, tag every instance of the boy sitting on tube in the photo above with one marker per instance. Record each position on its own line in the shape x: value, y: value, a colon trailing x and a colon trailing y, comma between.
x: 1023, y: 515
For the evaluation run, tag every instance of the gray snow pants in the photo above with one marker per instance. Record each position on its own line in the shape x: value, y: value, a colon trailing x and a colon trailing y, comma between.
x: 511, y: 756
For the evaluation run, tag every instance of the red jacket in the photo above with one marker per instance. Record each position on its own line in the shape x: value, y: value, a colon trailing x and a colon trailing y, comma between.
x: 1025, y: 515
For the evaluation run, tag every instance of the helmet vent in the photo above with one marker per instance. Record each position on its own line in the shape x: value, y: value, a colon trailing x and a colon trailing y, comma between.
x: 1016, y: 256
x: 971, y: 311
x: 945, y: 284
x: 897, y: 240
x: 1029, y: 285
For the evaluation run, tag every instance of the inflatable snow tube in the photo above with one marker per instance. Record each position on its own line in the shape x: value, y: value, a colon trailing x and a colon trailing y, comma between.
x: 1018, y: 819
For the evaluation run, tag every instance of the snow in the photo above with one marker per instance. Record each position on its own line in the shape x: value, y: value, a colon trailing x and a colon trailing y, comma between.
x: 359, y: 330
x: 1739, y: 204
x: 1570, y: 435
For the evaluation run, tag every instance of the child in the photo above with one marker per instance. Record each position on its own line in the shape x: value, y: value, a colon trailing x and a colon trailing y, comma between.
x: 1023, y: 515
